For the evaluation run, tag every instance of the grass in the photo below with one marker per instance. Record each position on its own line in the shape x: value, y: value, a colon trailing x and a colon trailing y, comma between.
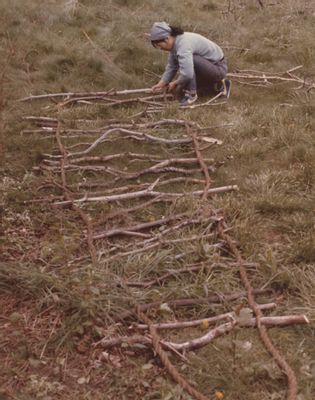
x: 55, y: 303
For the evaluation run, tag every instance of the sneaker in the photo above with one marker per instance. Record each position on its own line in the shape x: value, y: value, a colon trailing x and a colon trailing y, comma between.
x: 188, y: 99
x: 226, y: 88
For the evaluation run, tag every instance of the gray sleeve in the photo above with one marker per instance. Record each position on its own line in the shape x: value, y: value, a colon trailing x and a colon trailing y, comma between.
x: 170, y: 69
x: 186, y: 63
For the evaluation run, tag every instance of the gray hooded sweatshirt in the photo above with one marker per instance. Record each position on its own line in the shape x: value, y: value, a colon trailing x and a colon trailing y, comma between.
x: 181, y: 56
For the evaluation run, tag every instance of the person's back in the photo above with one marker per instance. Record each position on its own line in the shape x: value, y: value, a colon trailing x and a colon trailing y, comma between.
x: 199, y: 62
x: 198, y: 45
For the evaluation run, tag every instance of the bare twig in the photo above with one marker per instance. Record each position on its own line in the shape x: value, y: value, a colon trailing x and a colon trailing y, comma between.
x: 202, y: 163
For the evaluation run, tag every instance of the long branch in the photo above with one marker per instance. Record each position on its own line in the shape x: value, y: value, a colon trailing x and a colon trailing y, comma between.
x: 156, y: 243
x: 277, y: 321
x: 227, y: 327
x: 198, y: 322
x: 135, y: 135
x: 83, y: 94
x: 146, y: 193
x: 277, y: 356
x: 138, y: 227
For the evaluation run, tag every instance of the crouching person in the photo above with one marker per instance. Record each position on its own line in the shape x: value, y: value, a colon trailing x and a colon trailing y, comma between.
x: 200, y: 64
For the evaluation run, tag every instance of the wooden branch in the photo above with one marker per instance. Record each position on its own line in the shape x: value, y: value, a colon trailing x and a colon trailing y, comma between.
x: 279, y: 321
x: 169, y: 121
x: 208, y: 337
x: 163, y: 162
x: 161, y: 239
x: 264, y: 78
x: 123, y: 212
x: 138, y: 227
x: 263, y: 333
x: 84, y: 94
x: 48, y: 125
x: 146, y: 125
x: 202, y: 164
x: 255, y: 71
x: 198, y: 322
x: 48, y: 129
x: 125, y: 188
x: 227, y: 327
x: 153, y: 243
x: 205, y: 339
x: 115, y: 102
x: 145, y: 193
x: 135, y: 157
x: 133, y: 134
x: 121, y: 174
x: 160, y: 168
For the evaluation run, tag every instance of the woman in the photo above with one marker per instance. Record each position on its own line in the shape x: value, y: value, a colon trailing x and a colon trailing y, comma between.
x: 199, y: 61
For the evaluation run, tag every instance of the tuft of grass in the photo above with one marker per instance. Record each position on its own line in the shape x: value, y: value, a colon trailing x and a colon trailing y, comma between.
x: 304, y: 251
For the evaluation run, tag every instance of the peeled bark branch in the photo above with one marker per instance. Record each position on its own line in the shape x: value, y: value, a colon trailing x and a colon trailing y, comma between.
x: 153, y: 244
x: 133, y: 134
x: 138, y: 227
x: 84, y: 94
x: 227, y: 327
x: 199, y: 322
x: 208, y: 337
x: 145, y: 193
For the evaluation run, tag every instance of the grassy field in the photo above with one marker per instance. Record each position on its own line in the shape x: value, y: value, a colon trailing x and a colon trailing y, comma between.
x: 57, y: 302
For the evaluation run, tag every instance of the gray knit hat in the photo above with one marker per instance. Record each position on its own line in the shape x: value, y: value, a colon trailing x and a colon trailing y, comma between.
x: 160, y: 31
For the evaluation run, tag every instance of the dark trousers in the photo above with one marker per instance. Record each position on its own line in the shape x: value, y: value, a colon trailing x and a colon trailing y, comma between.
x: 208, y: 76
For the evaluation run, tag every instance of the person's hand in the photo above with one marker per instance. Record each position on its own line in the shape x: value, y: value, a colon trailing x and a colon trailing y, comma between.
x: 172, y: 86
x: 159, y: 87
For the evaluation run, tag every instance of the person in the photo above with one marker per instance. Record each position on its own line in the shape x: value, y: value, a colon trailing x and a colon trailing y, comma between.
x: 200, y: 63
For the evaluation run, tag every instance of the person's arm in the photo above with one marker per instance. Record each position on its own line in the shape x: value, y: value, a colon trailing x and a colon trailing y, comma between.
x: 159, y: 86
x: 186, y: 64
x: 170, y: 69
x: 169, y: 73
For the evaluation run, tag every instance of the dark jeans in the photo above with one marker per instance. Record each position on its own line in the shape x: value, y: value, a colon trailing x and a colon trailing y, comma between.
x: 208, y: 76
